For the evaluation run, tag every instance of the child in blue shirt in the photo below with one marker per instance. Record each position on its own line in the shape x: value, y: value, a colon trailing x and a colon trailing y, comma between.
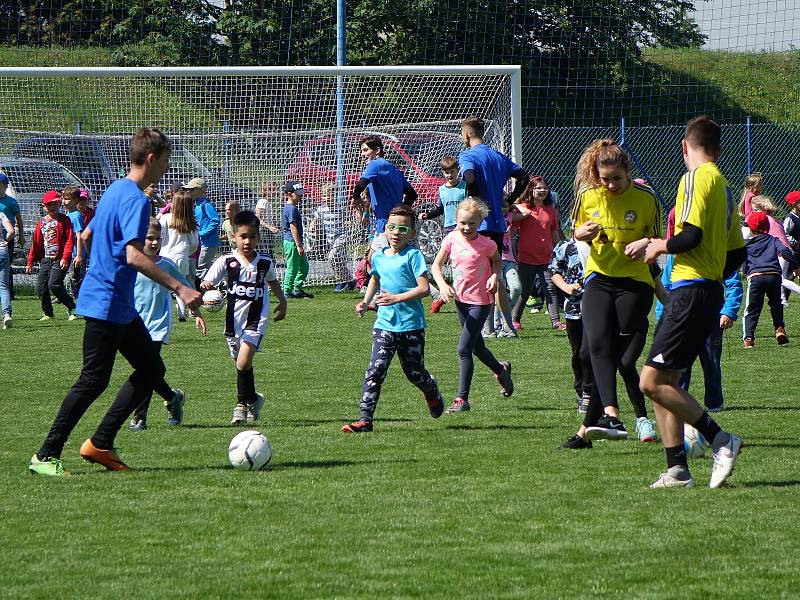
x: 153, y: 303
x: 398, y: 284
x: 293, y: 250
x: 451, y: 193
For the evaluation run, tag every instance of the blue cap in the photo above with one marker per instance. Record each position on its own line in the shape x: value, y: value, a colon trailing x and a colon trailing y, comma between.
x: 3, y: 178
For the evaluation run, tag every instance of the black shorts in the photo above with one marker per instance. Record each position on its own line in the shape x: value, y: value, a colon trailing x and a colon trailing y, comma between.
x: 689, y: 316
x: 496, y: 237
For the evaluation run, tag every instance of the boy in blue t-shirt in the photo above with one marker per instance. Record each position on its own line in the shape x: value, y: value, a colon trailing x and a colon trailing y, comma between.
x: 293, y: 250
x: 387, y: 185
x: 10, y: 206
x: 398, y: 284
x: 451, y: 193
x: 117, y: 231
x: 154, y: 304
x: 69, y: 200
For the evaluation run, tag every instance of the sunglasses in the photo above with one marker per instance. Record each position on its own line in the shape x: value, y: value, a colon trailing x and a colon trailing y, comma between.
x: 401, y: 229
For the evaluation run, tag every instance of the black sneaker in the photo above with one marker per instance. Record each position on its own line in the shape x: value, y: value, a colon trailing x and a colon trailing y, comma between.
x: 302, y: 294
x: 576, y: 442
x: 607, y: 428
x: 504, y: 379
x: 295, y: 295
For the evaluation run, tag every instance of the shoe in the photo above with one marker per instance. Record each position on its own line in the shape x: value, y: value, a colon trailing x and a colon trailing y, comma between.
x: 536, y: 310
x: 50, y: 466
x: 435, y: 405
x: 293, y: 294
x: 576, y: 442
x: 559, y: 326
x: 724, y: 459
x: 239, y: 415
x: 504, y: 379
x: 363, y: 290
x: 716, y: 409
x: 360, y: 426
x: 507, y: 333
x: 458, y: 405
x: 45, y: 318
x: 175, y: 408
x: 607, y: 428
x: 137, y: 425
x: 645, y: 430
x: 181, y: 319
x: 749, y: 343
x: 517, y: 325
x: 488, y: 334
x: 71, y: 316
x: 339, y: 287
x: 302, y: 294
x: 436, y: 306
x: 254, y: 410
x: 667, y: 480
x: 107, y: 458
x: 781, y: 337
x: 583, y: 404
x: 350, y: 285
x: 7, y: 321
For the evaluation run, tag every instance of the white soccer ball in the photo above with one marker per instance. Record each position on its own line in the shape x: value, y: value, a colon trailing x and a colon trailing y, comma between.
x: 213, y: 300
x: 693, y: 442
x: 250, y: 451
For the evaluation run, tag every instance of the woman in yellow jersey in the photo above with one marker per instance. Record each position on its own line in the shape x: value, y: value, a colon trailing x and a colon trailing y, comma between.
x: 616, y: 217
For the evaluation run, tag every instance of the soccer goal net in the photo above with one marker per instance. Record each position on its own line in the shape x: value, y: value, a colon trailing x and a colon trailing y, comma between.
x: 247, y: 130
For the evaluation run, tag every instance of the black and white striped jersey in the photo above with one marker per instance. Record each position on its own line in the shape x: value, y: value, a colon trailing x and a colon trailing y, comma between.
x: 248, y: 293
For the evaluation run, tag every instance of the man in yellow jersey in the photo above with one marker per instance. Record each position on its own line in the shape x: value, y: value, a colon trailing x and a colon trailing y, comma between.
x: 708, y: 247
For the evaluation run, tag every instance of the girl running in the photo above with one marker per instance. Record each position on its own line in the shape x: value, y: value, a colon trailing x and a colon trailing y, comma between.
x: 476, y: 265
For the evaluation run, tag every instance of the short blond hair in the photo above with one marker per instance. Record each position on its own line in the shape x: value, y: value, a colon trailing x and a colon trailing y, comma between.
x: 754, y: 181
x: 764, y: 204
x: 474, y: 205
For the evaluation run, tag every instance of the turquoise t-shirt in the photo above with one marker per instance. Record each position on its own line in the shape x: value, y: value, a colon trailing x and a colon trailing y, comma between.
x: 451, y: 197
x: 10, y: 206
x: 398, y: 273
x: 153, y: 301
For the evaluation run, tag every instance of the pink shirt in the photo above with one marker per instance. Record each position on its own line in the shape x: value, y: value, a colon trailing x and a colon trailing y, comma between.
x: 536, y: 236
x: 776, y: 230
x: 508, y: 252
x: 472, y: 266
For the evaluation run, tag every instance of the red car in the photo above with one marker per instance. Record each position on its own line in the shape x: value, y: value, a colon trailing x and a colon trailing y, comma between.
x: 416, y: 153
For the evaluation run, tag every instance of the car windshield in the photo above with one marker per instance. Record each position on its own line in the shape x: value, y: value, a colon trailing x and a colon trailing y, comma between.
x: 183, y: 164
x: 37, y: 177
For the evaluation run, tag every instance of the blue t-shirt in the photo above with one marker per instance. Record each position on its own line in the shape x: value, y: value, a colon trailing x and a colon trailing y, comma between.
x: 291, y: 214
x: 154, y: 302
x: 123, y: 215
x: 77, y: 225
x: 386, y: 187
x: 398, y: 273
x: 10, y: 206
x: 492, y: 171
x: 208, y: 221
x: 451, y: 197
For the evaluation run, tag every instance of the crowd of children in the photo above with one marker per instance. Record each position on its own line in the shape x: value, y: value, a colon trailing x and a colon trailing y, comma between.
x: 602, y: 275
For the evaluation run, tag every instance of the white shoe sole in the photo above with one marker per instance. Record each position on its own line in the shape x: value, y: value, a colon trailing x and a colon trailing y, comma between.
x: 600, y: 433
x: 720, y: 476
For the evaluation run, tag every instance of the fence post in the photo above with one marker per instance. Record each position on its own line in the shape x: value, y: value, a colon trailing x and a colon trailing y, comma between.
x: 622, y: 131
x: 226, y: 149
x: 749, y: 170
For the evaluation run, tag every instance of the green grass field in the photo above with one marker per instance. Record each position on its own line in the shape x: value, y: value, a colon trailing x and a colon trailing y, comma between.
x: 480, y: 505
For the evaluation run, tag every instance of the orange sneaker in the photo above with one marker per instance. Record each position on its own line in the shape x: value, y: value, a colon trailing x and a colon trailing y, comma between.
x: 107, y: 458
x: 436, y: 306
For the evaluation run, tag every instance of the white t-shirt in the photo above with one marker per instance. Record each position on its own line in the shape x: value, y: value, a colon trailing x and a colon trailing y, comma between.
x: 266, y: 206
x: 178, y: 247
x: 247, y: 310
x: 3, y: 231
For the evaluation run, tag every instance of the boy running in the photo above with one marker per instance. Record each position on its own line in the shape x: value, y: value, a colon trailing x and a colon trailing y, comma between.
x: 118, y: 232
x: 708, y: 247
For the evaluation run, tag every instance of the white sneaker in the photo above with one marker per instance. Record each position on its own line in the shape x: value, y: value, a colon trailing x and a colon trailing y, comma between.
x: 724, y: 460
x: 254, y: 410
x: 7, y: 322
x: 666, y: 480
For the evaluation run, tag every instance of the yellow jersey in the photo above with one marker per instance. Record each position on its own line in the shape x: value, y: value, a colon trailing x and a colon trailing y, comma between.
x: 705, y: 200
x: 625, y: 218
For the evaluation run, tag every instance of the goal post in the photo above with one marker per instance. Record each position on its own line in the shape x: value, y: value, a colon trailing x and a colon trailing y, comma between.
x: 249, y: 129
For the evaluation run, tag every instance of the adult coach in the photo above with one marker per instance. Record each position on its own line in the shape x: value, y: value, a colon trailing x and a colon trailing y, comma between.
x: 708, y: 247
x: 387, y: 185
x: 486, y: 172
x: 117, y: 232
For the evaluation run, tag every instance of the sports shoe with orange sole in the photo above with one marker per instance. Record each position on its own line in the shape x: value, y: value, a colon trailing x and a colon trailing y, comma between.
x: 107, y: 458
x: 360, y: 426
x: 781, y: 337
x: 436, y: 306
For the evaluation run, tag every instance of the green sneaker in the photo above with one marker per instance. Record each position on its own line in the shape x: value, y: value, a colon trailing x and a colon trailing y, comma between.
x: 49, y: 466
x: 45, y: 318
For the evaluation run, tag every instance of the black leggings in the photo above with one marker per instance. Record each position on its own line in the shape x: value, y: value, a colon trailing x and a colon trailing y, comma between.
x: 614, y: 312
x: 161, y: 387
x: 472, y: 317
x: 528, y: 275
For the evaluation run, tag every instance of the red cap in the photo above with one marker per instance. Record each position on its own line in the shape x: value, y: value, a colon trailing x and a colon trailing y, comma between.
x: 758, y: 222
x: 51, y: 196
x: 793, y: 198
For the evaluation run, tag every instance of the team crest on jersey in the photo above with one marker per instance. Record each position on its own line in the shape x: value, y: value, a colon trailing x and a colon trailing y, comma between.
x: 233, y: 264
x: 630, y: 217
x: 596, y: 214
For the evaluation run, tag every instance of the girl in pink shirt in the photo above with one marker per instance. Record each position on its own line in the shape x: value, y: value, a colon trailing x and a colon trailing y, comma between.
x: 475, y: 263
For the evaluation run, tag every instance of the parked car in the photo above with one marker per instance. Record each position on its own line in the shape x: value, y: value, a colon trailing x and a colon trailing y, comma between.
x: 99, y: 160
x: 416, y: 154
x: 28, y: 180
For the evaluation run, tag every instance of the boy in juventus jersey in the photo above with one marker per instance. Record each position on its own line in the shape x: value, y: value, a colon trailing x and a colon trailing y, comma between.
x: 246, y: 274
